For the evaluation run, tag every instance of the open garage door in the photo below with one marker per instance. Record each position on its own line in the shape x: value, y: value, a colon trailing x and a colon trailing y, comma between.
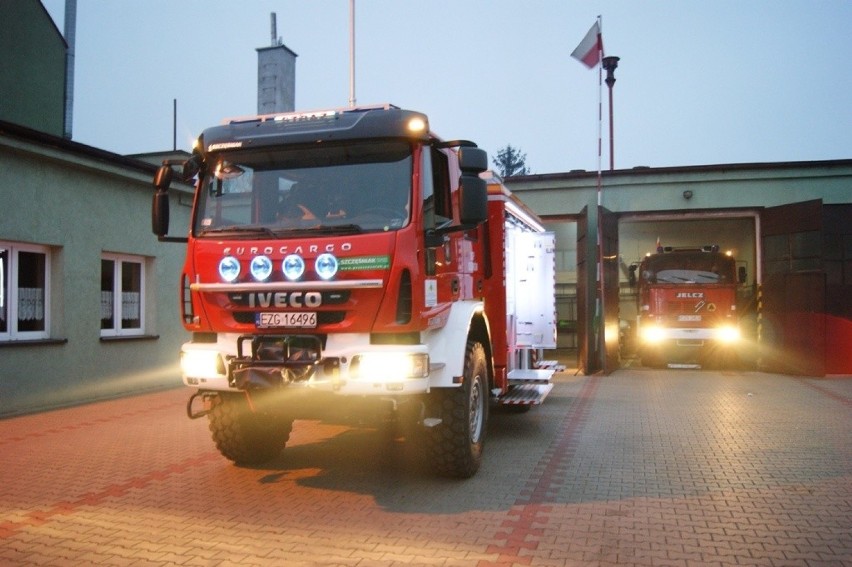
x: 612, y: 360
x: 792, y: 338
x: 597, y: 327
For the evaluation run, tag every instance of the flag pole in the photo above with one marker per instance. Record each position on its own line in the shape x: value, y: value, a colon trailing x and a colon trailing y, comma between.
x: 600, y: 308
x: 351, y: 53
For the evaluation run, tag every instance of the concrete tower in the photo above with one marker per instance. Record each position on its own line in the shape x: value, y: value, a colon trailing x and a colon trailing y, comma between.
x: 276, y: 76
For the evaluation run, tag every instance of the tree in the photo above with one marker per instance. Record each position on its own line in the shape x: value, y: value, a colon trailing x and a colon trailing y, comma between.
x: 510, y: 162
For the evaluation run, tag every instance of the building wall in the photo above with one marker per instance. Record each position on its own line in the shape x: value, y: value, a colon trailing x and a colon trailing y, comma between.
x: 32, y: 76
x: 82, y: 203
x: 722, y: 198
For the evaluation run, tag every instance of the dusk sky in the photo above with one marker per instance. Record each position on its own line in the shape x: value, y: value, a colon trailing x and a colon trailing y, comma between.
x: 698, y: 82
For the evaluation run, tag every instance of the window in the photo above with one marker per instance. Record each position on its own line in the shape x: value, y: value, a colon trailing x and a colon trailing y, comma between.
x: 24, y: 292
x: 435, y: 181
x: 122, y: 295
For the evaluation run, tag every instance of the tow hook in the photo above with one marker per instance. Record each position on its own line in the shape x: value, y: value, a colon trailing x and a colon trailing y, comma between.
x: 189, y: 411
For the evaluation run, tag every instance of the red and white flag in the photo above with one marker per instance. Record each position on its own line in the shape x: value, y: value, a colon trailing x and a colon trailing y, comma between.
x: 590, y: 50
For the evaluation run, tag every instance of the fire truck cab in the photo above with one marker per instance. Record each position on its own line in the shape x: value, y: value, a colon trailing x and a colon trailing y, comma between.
x: 687, y: 306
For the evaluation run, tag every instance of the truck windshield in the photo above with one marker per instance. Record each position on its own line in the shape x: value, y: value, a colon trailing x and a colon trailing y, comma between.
x: 689, y: 268
x: 357, y: 187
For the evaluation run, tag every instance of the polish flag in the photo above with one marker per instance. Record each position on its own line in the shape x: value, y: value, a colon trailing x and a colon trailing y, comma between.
x: 590, y: 50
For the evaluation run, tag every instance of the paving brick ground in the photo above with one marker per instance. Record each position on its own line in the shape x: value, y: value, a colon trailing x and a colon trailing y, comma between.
x: 638, y: 468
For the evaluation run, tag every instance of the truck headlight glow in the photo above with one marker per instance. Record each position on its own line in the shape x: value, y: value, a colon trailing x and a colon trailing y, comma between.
x: 390, y: 366
x: 326, y: 266
x: 229, y: 268
x: 260, y: 268
x: 728, y: 334
x: 653, y: 334
x: 293, y: 267
x: 201, y: 363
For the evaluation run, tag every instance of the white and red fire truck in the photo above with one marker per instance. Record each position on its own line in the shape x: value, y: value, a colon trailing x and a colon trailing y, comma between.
x: 688, y: 307
x: 351, y: 262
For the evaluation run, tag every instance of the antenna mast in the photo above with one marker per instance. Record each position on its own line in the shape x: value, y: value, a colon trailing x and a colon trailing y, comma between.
x: 273, y: 22
x: 352, y: 53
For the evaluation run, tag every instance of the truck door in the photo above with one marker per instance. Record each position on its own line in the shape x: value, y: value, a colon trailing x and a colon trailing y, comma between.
x: 791, y: 328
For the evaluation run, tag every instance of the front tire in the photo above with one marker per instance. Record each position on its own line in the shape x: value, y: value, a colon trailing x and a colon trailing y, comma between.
x: 456, y: 443
x: 244, y: 436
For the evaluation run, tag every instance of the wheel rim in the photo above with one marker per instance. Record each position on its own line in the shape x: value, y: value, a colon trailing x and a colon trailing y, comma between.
x: 476, y: 413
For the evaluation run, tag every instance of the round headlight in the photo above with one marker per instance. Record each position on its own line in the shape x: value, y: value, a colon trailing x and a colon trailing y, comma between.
x: 326, y: 266
x: 293, y: 267
x: 229, y: 268
x: 260, y: 268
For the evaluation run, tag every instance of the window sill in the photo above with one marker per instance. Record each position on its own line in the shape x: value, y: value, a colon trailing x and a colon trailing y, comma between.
x: 33, y: 342
x: 124, y: 338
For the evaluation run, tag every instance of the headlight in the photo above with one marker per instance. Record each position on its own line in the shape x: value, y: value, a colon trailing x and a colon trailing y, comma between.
x: 653, y: 334
x: 388, y: 366
x: 293, y: 267
x: 326, y: 266
x: 260, y: 268
x: 201, y: 363
x: 229, y: 268
x: 728, y: 334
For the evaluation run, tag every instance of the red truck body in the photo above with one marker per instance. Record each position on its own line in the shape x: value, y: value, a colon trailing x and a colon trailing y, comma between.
x: 687, y: 306
x: 350, y: 259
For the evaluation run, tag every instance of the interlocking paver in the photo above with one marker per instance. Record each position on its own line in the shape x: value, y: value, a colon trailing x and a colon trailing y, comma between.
x: 637, y: 468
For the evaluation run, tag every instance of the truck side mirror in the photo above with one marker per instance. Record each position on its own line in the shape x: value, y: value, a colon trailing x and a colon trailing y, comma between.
x: 191, y: 168
x: 472, y: 160
x: 163, y: 178
x: 473, y: 200
x: 742, y: 274
x: 160, y: 204
x: 160, y: 213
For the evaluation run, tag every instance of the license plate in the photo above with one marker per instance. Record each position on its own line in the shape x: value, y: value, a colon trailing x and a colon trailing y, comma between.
x: 304, y: 320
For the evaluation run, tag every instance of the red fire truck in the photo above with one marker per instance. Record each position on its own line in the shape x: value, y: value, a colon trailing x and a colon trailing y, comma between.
x: 687, y: 307
x: 350, y: 262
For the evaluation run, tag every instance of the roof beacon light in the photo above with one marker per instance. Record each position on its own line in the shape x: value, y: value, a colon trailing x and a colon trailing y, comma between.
x: 416, y: 125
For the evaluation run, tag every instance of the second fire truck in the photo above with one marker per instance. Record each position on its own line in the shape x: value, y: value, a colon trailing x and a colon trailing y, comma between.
x: 688, y: 307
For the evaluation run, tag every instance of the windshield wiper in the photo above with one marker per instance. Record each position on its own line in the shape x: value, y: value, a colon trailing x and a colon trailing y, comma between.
x: 239, y: 228
x: 335, y: 229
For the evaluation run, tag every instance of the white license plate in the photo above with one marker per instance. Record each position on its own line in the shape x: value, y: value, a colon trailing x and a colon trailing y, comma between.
x: 304, y: 320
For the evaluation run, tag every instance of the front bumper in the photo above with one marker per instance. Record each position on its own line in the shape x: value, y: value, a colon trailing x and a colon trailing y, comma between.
x: 659, y: 335
x: 345, y: 365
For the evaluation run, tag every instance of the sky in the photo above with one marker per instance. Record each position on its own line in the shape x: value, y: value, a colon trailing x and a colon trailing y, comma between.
x: 698, y: 83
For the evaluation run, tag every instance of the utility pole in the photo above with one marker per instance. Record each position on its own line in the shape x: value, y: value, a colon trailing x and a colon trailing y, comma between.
x: 352, y: 53
x: 610, y: 64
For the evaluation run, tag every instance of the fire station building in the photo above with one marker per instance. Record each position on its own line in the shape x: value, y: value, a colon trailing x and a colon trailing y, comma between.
x: 89, y: 298
x: 789, y: 225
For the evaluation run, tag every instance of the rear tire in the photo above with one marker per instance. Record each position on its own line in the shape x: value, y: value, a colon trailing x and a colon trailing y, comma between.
x: 244, y: 436
x: 456, y: 443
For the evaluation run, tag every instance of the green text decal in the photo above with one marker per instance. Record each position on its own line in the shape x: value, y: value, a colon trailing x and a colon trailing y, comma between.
x: 364, y: 263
